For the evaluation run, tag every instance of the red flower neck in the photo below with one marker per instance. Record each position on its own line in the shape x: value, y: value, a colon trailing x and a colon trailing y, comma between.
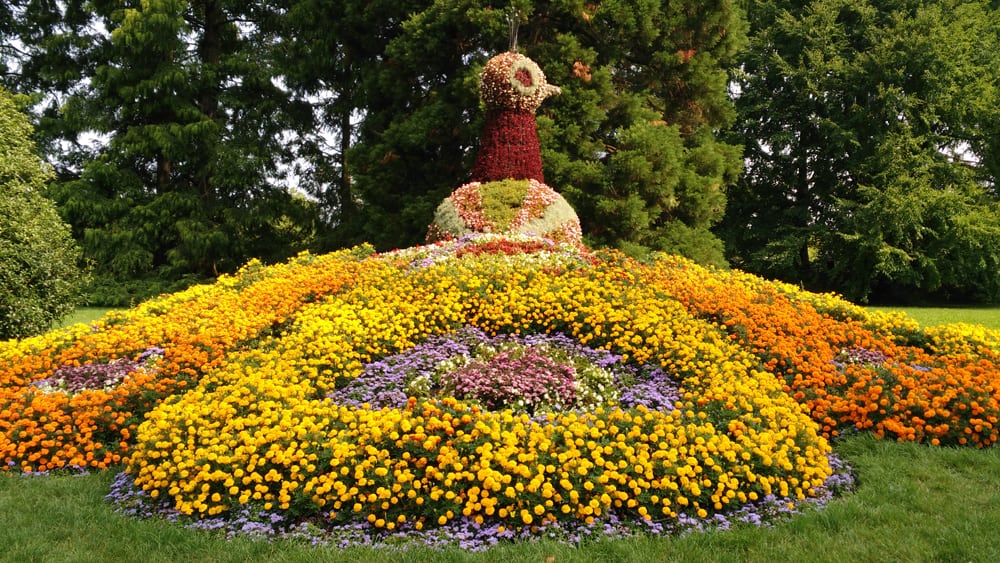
x: 509, y: 147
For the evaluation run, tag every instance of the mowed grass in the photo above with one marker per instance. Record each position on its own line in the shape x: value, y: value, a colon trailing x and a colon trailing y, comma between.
x: 932, y: 316
x: 84, y: 315
x: 913, y: 503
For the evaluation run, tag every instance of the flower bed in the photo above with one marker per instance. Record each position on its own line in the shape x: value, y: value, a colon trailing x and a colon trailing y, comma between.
x: 347, y: 389
x: 940, y: 386
x: 262, y: 428
x: 195, y: 328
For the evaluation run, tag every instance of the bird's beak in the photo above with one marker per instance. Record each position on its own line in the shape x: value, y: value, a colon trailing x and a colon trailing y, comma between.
x: 552, y: 90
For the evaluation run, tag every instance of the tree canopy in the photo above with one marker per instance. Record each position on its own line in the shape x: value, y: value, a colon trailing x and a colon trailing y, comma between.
x: 870, y: 149
x: 187, y: 185
x: 205, y: 106
x: 847, y: 146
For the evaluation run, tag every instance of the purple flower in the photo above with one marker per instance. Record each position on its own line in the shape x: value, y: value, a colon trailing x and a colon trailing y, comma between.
x: 525, y: 372
x: 654, y: 389
x: 74, y: 379
x: 151, y: 354
x: 92, y: 376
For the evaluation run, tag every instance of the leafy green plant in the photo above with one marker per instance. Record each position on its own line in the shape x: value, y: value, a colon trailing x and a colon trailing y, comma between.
x: 40, y: 277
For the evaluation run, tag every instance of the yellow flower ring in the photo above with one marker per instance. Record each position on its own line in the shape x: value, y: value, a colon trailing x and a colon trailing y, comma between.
x: 259, y: 430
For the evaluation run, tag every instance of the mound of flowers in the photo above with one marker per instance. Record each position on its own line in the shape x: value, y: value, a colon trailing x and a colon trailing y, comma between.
x: 877, y: 372
x: 513, y: 207
x: 502, y: 383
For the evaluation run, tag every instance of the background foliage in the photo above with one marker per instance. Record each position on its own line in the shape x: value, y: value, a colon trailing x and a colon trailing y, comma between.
x: 868, y: 131
x: 167, y: 130
x: 369, y: 107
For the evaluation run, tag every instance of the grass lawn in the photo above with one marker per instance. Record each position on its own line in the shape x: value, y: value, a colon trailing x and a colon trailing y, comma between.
x: 931, y: 316
x: 84, y: 315
x: 914, y: 503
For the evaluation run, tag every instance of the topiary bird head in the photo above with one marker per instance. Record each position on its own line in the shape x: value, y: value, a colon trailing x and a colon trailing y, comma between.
x: 513, y: 81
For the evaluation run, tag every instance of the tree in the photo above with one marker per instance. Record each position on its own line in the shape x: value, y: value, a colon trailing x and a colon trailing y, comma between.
x: 48, y: 51
x: 40, y: 277
x: 204, y: 104
x: 326, y: 52
x: 870, y: 130
x: 189, y: 184
x: 631, y: 141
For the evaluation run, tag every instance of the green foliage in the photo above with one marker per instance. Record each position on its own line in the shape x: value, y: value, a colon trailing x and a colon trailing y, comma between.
x: 374, y: 105
x: 40, y: 276
x: 191, y: 181
x: 870, y: 131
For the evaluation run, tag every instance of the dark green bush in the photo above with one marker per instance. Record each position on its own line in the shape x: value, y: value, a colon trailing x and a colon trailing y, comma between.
x: 40, y: 273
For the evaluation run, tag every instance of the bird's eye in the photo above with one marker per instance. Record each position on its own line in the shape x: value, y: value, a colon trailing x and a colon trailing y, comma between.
x: 525, y: 76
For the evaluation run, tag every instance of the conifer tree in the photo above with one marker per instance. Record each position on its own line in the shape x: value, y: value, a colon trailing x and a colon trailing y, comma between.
x: 870, y: 129
x: 188, y: 185
x: 328, y: 53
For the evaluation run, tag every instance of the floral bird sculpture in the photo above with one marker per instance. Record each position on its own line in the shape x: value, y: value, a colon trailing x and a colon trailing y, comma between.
x: 508, y: 194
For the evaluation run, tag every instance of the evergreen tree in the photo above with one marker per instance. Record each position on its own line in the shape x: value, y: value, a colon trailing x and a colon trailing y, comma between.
x: 202, y: 101
x: 48, y: 50
x: 870, y: 129
x: 189, y: 183
x: 325, y: 51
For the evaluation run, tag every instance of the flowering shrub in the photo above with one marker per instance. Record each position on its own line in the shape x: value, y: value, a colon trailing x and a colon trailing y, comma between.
x: 522, y: 378
x: 296, y: 389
